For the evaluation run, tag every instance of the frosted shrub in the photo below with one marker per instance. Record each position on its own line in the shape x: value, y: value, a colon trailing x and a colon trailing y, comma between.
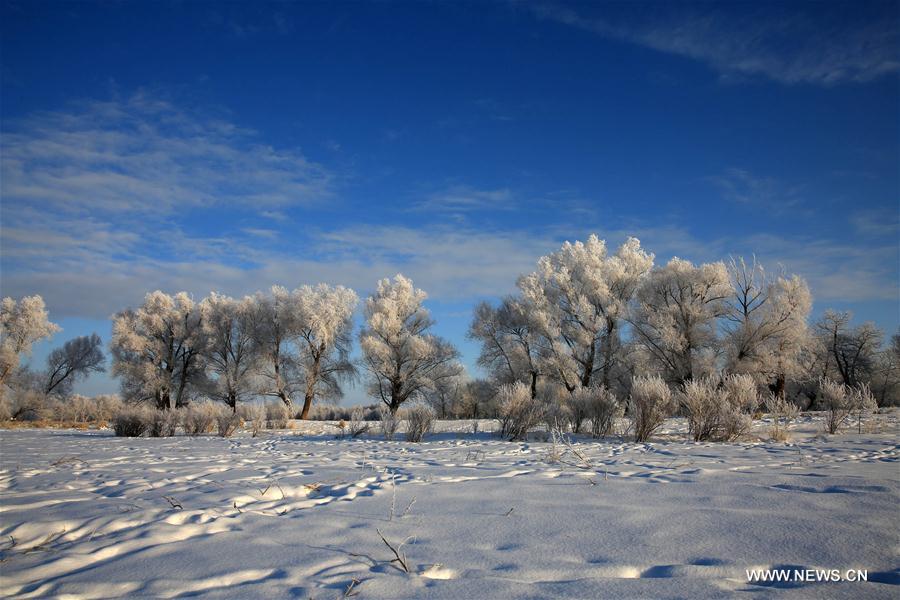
x: 840, y: 402
x: 277, y: 415
x: 76, y: 409
x: 649, y: 405
x: 519, y: 412
x: 576, y: 405
x: 862, y: 402
x: 30, y: 405
x: 719, y: 412
x: 419, y: 422
x: 163, y: 423
x: 5, y: 408
x: 783, y: 411
x: 131, y: 421
x: 600, y: 406
x: 389, y: 421
x: 741, y: 402
x: 253, y: 415
x: 358, y: 424
x: 198, y: 418
x: 105, y: 406
x: 227, y: 421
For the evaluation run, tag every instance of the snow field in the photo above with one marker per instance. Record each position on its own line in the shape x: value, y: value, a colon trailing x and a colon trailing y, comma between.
x: 301, y: 514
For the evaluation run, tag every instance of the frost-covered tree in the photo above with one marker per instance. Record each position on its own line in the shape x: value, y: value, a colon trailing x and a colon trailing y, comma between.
x: 22, y: 324
x: 446, y: 396
x: 77, y: 358
x: 577, y: 301
x: 847, y: 353
x: 675, y: 317
x: 276, y: 327
x: 510, y: 347
x: 403, y: 360
x: 228, y: 347
x: 768, y: 324
x: 325, y: 323
x: 303, y: 342
x: 885, y: 382
x: 156, y: 350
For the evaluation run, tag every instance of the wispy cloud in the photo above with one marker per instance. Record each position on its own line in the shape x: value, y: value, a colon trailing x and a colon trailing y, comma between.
x: 877, y: 223
x: 145, y: 155
x: 463, y: 198
x: 827, y: 45
x: 757, y: 191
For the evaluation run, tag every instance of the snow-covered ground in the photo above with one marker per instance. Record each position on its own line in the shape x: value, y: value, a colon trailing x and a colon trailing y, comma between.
x: 301, y: 514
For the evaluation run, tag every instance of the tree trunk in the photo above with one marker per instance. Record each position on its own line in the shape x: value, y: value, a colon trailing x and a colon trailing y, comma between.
x: 779, y: 386
x: 311, y: 379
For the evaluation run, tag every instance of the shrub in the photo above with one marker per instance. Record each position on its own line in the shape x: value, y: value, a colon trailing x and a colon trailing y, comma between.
x: 5, y: 408
x: 389, y: 422
x: 30, y: 405
x: 649, y: 404
x: 783, y: 411
x: 163, y: 423
x: 198, y: 418
x: 131, y: 421
x: 358, y: 424
x: 719, y: 411
x: 105, y: 406
x: 840, y: 402
x: 576, y: 405
x: 277, y: 415
x: 519, y: 412
x: 600, y: 406
x: 255, y: 416
x: 227, y: 421
x: 419, y: 422
x: 862, y: 401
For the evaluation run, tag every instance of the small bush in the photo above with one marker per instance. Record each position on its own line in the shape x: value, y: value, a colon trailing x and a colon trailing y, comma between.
x: 719, y: 410
x: 519, y: 412
x: 277, y: 415
x: 840, y: 402
x: 253, y: 415
x: 576, y: 405
x: 5, y: 408
x: 783, y: 411
x: 649, y: 405
x: 419, y: 422
x: 227, y: 421
x: 131, y: 421
x: 599, y: 405
x: 30, y: 405
x: 163, y: 423
x: 389, y: 422
x: 357, y: 424
x: 198, y: 418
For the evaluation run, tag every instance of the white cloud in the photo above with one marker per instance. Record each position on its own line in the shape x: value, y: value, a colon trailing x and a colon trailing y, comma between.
x: 145, y: 155
x: 827, y: 46
x: 760, y: 192
x: 463, y: 198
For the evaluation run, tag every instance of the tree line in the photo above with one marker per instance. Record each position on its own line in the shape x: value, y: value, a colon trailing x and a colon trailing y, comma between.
x: 584, y: 319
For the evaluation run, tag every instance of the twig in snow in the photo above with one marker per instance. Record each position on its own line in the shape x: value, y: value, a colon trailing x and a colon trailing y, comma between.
x: 393, y: 495
x: 398, y: 556
x: 408, y: 507
x: 45, y: 543
x: 68, y: 460
x: 175, y: 503
x: 509, y: 512
x: 352, y: 588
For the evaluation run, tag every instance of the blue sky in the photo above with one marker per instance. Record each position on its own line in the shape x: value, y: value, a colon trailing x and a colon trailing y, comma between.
x: 230, y: 147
